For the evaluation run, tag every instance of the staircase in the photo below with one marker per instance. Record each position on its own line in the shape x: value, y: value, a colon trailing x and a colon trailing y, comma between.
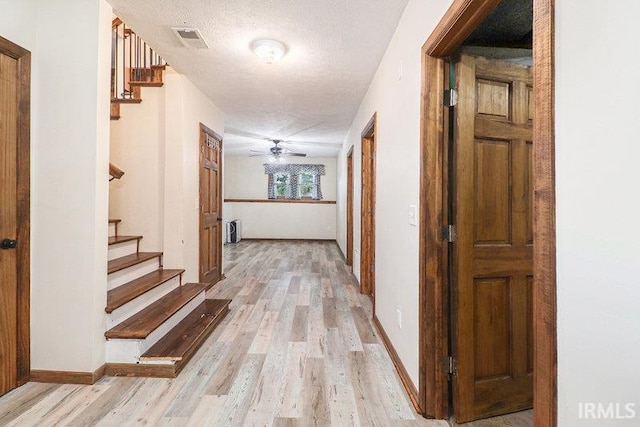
x: 134, y: 65
x: 155, y: 323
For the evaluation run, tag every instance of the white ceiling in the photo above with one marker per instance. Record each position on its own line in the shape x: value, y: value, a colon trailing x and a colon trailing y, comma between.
x: 310, y: 97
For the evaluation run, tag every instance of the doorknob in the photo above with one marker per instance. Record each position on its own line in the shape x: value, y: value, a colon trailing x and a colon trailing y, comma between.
x: 219, y: 218
x: 8, y: 244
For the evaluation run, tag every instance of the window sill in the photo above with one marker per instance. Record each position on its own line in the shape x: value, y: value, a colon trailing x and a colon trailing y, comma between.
x: 325, y: 202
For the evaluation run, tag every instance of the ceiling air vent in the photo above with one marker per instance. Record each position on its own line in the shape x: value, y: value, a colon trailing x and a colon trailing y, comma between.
x: 190, y: 37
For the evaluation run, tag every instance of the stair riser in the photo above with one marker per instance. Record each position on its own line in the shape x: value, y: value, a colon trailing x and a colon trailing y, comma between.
x: 122, y: 313
x: 112, y: 229
x: 129, y: 351
x: 128, y: 274
x: 122, y: 249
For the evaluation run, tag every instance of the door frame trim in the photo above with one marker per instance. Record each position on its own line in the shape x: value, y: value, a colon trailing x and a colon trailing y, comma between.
x: 368, y: 235
x: 204, y: 130
x: 349, y: 230
x: 23, y: 57
x: 456, y: 25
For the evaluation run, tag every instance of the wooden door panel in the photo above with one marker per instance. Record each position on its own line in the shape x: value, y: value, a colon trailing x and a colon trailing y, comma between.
x: 529, y: 192
x: 492, y: 355
x: 493, y: 99
x: 8, y: 222
x: 210, y: 206
x: 493, y: 252
x: 492, y: 192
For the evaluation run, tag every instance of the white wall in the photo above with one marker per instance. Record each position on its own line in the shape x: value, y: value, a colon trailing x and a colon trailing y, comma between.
x: 598, y: 236
x: 396, y: 99
x: 69, y: 173
x: 156, y: 143
x: 244, y: 178
x: 137, y: 147
x: 186, y: 108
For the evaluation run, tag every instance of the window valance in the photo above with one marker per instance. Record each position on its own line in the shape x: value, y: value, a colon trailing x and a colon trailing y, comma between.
x: 293, y: 169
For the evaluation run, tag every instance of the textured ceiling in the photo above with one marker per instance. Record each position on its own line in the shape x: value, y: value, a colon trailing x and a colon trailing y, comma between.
x: 310, y: 96
x: 510, y: 23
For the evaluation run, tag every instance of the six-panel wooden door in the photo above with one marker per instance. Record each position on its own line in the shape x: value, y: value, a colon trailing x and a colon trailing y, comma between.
x: 210, y: 206
x: 492, y: 275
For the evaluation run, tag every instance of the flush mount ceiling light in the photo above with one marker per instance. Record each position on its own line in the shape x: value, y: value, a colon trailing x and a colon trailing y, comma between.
x: 269, y: 51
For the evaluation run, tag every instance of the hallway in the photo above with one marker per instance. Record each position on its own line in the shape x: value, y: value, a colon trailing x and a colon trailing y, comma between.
x: 298, y: 349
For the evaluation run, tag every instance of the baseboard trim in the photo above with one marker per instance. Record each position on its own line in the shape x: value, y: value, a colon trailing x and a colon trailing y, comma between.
x: 268, y: 239
x: 402, y: 371
x: 141, y: 370
x: 67, y: 377
x: 344, y: 258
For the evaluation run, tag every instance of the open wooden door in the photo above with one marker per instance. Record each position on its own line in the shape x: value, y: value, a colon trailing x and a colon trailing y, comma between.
x: 210, y: 206
x: 368, y: 210
x: 349, y: 255
x: 492, y: 277
x: 14, y: 215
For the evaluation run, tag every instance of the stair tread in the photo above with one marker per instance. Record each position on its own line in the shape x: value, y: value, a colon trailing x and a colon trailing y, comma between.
x: 141, y: 324
x: 114, y: 240
x: 147, y: 84
x: 183, y: 340
x: 121, y: 295
x: 129, y: 260
x: 126, y: 100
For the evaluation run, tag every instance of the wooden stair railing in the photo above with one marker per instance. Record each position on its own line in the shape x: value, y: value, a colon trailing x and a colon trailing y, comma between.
x: 115, y: 172
x: 134, y: 64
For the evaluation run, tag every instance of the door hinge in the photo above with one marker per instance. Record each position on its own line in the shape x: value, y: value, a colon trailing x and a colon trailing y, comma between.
x: 373, y: 268
x: 450, y: 365
x: 449, y: 233
x: 450, y: 97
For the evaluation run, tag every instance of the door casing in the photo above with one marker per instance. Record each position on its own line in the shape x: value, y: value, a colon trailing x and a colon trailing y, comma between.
x: 462, y: 18
x: 23, y: 250
x: 349, y: 255
x: 368, y: 209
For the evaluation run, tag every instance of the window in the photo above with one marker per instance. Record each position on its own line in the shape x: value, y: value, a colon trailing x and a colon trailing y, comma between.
x: 282, y: 186
x: 306, y: 185
x: 294, y: 181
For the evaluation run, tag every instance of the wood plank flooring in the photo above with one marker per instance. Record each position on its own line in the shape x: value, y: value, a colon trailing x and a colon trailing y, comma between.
x: 297, y: 349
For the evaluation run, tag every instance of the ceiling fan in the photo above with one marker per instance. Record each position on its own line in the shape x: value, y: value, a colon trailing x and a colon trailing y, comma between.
x: 277, y: 151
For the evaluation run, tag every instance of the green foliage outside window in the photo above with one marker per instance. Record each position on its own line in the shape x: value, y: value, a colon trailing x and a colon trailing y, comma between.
x: 281, y: 183
x: 306, y: 185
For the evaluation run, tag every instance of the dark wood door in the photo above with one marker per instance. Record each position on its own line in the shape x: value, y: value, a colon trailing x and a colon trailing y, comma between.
x: 210, y: 206
x: 14, y: 215
x: 8, y: 222
x: 349, y: 255
x: 492, y: 273
x: 368, y: 210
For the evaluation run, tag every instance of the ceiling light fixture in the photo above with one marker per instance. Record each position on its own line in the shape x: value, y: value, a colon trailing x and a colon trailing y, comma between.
x: 269, y: 51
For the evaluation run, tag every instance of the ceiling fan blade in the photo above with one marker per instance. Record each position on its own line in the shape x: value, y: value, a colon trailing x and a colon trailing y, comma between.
x: 245, y: 134
x: 294, y: 154
x: 259, y: 155
x: 312, y: 143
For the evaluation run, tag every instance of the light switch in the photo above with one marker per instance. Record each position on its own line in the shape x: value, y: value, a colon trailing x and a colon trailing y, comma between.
x: 413, y: 215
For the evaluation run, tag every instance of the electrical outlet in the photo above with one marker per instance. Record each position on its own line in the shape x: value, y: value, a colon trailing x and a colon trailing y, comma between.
x: 399, y: 314
x: 413, y: 215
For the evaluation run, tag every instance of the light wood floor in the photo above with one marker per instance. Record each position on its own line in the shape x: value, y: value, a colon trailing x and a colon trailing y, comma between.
x: 297, y: 349
x: 517, y: 419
